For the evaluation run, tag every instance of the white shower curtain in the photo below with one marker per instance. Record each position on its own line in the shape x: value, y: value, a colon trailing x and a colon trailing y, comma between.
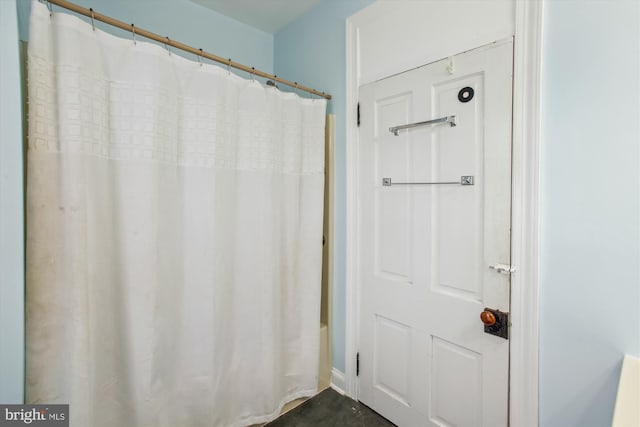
x: 174, y: 238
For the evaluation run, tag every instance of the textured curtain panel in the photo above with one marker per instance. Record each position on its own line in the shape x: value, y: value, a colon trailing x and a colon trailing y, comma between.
x: 174, y: 238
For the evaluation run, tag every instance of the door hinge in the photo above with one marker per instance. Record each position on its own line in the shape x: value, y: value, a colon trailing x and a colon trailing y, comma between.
x: 358, y: 114
x: 357, y: 364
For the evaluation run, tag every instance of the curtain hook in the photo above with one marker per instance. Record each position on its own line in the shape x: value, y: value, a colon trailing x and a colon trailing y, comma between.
x: 133, y: 33
x: 273, y: 83
x: 200, y: 57
x: 229, y: 67
x: 50, y: 7
x: 93, y: 24
x: 296, y: 88
x: 253, y: 72
x: 167, y: 45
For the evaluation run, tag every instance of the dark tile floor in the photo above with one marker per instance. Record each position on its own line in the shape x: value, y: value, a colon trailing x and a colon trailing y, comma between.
x: 329, y: 409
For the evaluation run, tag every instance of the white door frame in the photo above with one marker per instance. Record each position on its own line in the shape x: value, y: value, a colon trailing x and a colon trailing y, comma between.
x: 523, y: 380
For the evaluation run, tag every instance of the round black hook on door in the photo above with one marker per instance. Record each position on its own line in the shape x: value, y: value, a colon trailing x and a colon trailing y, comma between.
x: 465, y: 94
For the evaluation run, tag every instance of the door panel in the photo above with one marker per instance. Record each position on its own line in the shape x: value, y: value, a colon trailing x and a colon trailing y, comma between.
x: 425, y: 249
x: 457, y: 376
x: 457, y: 226
x: 391, y: 369
x: 392, y: 226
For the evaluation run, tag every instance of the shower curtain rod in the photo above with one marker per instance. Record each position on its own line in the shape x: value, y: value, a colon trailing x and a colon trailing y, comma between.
x: 90, y: 13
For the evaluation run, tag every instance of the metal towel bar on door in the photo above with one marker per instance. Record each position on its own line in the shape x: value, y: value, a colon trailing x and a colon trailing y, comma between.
x: 447, y: 119
x: 464, y: 180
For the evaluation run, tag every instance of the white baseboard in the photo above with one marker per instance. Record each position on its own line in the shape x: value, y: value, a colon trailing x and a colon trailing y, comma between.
x: 337, y: 381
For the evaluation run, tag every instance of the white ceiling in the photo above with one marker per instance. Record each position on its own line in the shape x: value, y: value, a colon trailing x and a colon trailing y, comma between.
x: 267, y: 15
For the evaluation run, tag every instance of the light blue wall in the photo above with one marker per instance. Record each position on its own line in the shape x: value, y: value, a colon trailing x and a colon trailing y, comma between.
x: 590, y: 237
x: 311, y: 50
x: 183, y: 21
x: 11, y: 211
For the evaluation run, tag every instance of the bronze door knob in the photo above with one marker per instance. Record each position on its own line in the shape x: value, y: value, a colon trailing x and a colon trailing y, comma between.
x: 488, y: 318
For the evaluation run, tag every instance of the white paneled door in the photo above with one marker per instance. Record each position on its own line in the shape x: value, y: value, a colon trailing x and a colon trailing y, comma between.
x: 426, y: 250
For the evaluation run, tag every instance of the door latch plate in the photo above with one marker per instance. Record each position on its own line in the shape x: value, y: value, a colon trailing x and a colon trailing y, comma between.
x: 503, y: 268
